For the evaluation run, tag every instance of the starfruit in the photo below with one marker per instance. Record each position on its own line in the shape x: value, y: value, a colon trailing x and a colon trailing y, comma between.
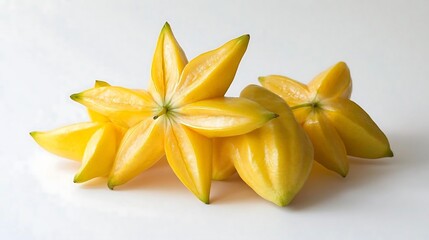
x: 93, y: 143
x: 274, y: 160
x: 336, y: 125
x: 183, y: 108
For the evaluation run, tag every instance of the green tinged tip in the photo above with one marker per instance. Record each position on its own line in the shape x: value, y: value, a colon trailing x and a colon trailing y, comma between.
x: 204, y: 199
x: 76, y: 179
x: 101, y: 83
x: 342, y: 171
x: 282, y: 198
x: 110, y: 185
x: 282, y: 202
x: 75, y: 97
x: 245, y: 37
x: 243, y: 40
x: 166, y: 26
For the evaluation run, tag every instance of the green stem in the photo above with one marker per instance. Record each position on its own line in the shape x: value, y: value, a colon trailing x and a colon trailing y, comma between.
x: 310, y: 104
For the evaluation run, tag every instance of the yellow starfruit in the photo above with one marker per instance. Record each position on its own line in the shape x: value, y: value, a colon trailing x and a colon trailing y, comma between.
x: 182, y: 109
x: 336, y: 125
x: 274, y: 160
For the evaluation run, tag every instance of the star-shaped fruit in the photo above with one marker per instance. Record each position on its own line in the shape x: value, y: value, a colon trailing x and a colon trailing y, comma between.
x: 336, y: 125
x: 274, y: 160
x: 93, y: 143
x: 183, y: 108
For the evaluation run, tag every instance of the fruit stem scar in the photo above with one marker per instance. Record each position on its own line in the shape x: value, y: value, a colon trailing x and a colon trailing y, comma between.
x: 163, y: 111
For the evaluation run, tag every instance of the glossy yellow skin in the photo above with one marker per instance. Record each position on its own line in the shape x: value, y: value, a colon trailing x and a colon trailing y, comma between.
x: 122, y: 106
x: 141, y: 147
x: 95, y: 116
x: 93, y: 143
x: 223, y: 117
x: 99, y: 154
x: 67, y: 142
x: 222, y: 166
x: 274, y: 160
x: 336, y: 125
x: 169, y: 115
x: 189, y: 155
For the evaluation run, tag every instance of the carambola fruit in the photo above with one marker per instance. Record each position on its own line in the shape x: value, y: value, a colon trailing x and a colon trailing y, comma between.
x: 183, y: 108
x: 337, y: 126
x: 274, y: 160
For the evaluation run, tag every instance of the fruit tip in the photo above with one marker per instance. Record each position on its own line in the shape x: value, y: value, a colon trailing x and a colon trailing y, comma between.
x: 282, y: 202
x: 343, y: 173
x: 342, y: 170
x: 341, y: 63
x: 101, y: 83
x: 204, y: 199
x: 33, y: 133
x: 78, y: 178
x: 110, y: 185
x: 261, y: 79
x: 166, y: 26
x: 244, y: 38
x: 390, y: 153
x: 75, y: 96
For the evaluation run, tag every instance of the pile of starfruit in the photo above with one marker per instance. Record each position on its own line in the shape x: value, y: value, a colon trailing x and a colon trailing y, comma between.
x: 269, y: 135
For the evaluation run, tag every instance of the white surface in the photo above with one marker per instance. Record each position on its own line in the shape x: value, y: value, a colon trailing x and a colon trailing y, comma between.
x: 51, y: 49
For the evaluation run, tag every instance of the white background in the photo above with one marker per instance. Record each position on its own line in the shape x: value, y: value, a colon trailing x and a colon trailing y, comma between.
x: 51, y: 49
